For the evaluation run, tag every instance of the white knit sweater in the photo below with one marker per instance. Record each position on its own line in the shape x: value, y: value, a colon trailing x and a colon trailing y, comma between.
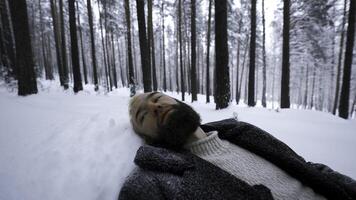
x: 250, y: 168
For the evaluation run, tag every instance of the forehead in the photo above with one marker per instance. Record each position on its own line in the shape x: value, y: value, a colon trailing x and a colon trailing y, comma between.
x: 137, y: 100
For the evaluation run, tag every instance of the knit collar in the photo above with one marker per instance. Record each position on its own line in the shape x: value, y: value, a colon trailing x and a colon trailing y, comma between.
x: 210, y: 145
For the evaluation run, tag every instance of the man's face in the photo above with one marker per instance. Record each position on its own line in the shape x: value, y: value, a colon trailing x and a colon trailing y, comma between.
x: 149, y: 110
x: 163, y: 120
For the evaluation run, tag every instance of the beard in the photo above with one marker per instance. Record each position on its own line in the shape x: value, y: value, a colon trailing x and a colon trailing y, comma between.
x: 179, y: 126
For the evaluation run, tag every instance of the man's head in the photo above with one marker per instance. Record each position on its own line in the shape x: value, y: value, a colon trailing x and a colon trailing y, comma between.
x: 162, y: 120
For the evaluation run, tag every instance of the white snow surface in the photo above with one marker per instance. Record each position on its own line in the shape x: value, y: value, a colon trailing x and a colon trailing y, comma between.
x: 58, y: 145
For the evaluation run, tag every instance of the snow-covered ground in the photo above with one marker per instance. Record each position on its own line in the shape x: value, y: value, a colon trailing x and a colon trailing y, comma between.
x: 57, y: 145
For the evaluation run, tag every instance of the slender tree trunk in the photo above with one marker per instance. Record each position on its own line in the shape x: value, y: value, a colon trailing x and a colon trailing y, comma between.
x: 193, y: 53
x: 82, y: 47
x: 345, y: 88
x: 337, y: 87
x: 104, y: 50
x: 129, y: 49
x: 181, y: 47
x: 237, y: 95
x: 120, y: 63
x: 222, y: 93
x: 92, y: 42
x: 264, y: 77
x: 251, y: 79
x: 107, y: 48
x: 74, y: 46
x: 313, y: 88
x: 57, y: 41
x: 243, y: 69
x: 285, y: 99
x: 208, y: 56
x: 164, y: 51
x: 145, y: 61
x: 46, y: 65
x: 63, y: 46
x: 114, y: 60
x: 151, y: 44
x: 26, y: 71
x: 305, y: 102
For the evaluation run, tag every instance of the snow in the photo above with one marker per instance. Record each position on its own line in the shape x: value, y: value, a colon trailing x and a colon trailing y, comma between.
x: 57, y: 145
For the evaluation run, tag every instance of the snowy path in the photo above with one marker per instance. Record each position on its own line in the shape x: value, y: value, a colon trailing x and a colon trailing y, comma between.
x: 56, y: 145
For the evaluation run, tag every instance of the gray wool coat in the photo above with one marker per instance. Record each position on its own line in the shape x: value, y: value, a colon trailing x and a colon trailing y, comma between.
x: 167, y: 174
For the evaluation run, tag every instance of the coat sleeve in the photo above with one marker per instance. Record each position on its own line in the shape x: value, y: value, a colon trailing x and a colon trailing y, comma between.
x: 344, y: 181
x: 140, y: 186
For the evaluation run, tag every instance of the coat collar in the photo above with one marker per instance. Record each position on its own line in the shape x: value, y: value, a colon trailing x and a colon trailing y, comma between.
x: 166, y: 160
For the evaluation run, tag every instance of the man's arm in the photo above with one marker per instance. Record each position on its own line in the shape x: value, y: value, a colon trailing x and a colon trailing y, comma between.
x: 344, y: 181
x: 140, y: 186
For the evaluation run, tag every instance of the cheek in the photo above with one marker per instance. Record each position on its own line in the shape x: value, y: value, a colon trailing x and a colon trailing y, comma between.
x: 150, y: 126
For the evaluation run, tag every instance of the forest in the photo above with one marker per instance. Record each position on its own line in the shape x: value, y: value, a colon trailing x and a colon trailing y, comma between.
x: 302, y: 57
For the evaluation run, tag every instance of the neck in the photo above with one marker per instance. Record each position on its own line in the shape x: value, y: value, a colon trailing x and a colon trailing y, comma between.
x: 197, y: 135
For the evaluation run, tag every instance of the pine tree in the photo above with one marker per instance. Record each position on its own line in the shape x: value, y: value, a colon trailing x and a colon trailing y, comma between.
x: 63, y: 46
x: 151, y: 44
x: 345, y: 88
x: 341, y: 49
x: 193, y: 52
x: 264, y: 56
x: 131, y: 77
x: 251, y: 79
x: 207, y: 84
x: 74, y: 47
x: 145, y: 62
x: 26, y: 70
x: 222, y: 92
x: 285, y: 102
x: 92, y: 42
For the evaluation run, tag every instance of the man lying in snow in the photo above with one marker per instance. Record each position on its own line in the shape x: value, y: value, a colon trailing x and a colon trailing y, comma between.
x: 219, y: 160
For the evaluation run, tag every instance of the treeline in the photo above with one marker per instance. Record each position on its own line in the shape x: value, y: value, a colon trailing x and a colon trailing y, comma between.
x: 218, y: 48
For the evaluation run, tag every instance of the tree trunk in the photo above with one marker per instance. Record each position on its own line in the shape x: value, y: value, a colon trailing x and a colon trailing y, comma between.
x: 107, y: 45
x: 92, y: 42
x: 63, y: 47
x: 57, y: 40
x: 222, y: 92
x: 193, y: 77
x: 180, y: 47
x: 242, y: 71
x: 129, y: 49
x: 164, y: 51
x: 208, y: 56
x: 345, y: 88
x: 145, y: 61
x: 237, y: 95
x: 74, y: 46
x: 24, y: 58
x: 305, y: 102
x: 251, y: 79
x: 104, y: 50
x: 285, y: 101
x: 151, y: 44
x: 264, y: 76
x: 82, y: 48
x: 337, y: 87
x: 46, y: 64
x: 7, y: 43
x: 114, y: 61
